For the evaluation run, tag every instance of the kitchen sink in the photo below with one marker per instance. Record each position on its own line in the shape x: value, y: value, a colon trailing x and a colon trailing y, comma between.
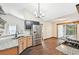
x: 17, y: 37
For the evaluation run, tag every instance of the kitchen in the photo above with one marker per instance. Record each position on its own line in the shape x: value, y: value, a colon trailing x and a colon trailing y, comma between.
x: 21, y: 31
x: 16, y: 41
x: 12, y: 43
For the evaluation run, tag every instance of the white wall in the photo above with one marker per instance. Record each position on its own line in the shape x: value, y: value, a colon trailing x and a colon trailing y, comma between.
x: 10, y: 19
x: 46, y: 29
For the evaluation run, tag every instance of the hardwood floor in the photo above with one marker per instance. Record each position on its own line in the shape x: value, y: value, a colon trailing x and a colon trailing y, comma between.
x: 48, y: 47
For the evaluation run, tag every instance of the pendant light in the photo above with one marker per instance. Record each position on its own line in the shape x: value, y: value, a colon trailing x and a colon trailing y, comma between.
x: 38, y: 12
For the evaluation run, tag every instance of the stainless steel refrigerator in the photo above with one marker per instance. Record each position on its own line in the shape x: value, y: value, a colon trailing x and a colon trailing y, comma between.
x: 36, y: 32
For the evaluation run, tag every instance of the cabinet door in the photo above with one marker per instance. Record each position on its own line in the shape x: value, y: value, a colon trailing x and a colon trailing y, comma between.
x: 25, y: 43
x: 20, y: 45
x: 29, y: 41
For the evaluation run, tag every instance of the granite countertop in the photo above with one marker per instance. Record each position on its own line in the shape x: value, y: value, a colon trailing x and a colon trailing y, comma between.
x: 68, y: 50
x: 8, y: 43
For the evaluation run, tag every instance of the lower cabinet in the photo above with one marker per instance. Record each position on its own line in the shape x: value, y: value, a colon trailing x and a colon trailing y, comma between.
x: 20, y: 42
x: 24, y: 43
x: 29, y: 41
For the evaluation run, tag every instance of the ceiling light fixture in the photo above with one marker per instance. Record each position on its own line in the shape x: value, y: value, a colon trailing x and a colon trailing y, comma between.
x: 38, y: 12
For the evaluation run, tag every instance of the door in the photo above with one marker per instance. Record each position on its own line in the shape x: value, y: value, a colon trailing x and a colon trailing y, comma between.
x: 71, y: 31
x: 60, y: 31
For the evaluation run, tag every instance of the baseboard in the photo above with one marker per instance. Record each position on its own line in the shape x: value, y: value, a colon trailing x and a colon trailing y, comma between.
x: 50, y: 38
x: 55, y: 37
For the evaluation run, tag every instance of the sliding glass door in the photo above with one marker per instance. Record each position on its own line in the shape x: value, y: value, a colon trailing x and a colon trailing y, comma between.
x: 71, y: 31
x: 67, y: 31
x: 60, y: 31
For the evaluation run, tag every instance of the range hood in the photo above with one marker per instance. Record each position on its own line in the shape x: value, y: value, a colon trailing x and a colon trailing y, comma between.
x: 2, y: 11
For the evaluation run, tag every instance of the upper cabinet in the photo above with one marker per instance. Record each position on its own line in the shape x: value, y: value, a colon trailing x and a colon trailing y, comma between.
x: 2, y: 23
x: 2, y: 26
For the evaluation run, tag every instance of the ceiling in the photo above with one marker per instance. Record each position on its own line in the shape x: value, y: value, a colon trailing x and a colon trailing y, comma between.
x: 51, y: 11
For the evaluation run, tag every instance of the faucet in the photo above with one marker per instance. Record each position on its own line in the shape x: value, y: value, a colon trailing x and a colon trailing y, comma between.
x: 16, y: 35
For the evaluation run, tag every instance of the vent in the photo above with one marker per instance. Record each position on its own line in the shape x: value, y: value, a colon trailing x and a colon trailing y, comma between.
x: 1, y: 11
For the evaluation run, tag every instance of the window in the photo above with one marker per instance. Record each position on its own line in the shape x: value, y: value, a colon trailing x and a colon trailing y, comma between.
x: 67, y: 31
x: 12, y: 29
x: 71, y: 31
